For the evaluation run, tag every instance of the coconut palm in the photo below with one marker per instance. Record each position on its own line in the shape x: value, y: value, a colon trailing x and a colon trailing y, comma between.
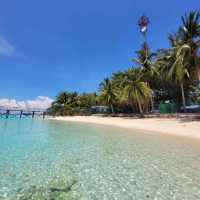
x: 62, y: 98
x: 180, y: 62
x: 107, y: 93
x: 145, y: 61
x: 164, y: 87
x: 135, y: 90
x: 190, y: 35
x: 179, y: 69
x: 190, y: 28
x: 174, y: 63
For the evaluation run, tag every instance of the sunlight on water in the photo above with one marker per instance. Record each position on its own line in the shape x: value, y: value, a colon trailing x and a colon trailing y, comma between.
x: 41, y: 159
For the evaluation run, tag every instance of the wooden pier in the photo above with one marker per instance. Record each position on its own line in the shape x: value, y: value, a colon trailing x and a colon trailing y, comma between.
x: 21, y: 113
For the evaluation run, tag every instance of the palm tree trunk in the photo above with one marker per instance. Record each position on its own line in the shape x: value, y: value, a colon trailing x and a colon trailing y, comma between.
x: 152, y: 103
x: 151, y: 99
x: 183, y: 97
x: 198, y: 75
x: 112, y: 109
x: 140, y: 109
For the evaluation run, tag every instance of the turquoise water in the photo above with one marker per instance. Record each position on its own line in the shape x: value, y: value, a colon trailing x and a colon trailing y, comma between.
x: 41, y: 159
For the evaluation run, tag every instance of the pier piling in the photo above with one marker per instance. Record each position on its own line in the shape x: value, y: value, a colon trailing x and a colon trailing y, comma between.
x: 20, y: 113
x: 43, y: 115
x: 33, y: 114
x: 7, y: 113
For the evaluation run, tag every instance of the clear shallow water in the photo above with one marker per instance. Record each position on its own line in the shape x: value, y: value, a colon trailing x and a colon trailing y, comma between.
x: 55, y: 160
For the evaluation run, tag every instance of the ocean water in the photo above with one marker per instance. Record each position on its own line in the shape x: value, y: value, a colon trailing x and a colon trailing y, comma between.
x: 47, y: 160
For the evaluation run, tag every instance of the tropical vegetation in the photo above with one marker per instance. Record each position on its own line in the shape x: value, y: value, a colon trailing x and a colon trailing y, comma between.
x: 167, y: 74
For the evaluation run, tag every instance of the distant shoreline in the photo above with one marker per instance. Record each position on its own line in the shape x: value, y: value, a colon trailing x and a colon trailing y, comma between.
x: 168, y: 126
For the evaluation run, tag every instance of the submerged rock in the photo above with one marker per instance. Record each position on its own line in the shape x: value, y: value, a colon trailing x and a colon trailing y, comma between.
x: 32, y: 193
x: 62, y: 186
x: 58, y: 184
x: 58, y: 190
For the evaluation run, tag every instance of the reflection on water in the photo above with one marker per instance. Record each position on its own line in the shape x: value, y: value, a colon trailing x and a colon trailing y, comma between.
x: 55, y: 160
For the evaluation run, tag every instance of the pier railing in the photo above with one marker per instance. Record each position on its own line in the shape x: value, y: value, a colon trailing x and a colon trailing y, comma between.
x: 20, y: 113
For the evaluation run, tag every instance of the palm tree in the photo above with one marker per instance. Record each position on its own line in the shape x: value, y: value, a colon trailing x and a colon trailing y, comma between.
x: 190, y: 35
x: 165, y: 88
x: 185, y: 45
x: 107, y: 93
x: 145, y: 61
x: 62, y: 98
x: 144, y: 56
x: 179, y: 69
x: 191, y: 27
x: 180, y: 62
x: 135, y: 90
x: 174, y: 63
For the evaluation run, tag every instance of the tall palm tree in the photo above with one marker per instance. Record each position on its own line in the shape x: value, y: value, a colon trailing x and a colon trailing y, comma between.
x: 186, y: 44
x: 180, y: 62
x: 107, y: 93
x: 145, y: 61
x: 190, y: 26
x: 179, y: 69
x: 174, y: 63
x: 66, y: 97
x: 135, y: 90
x: 62, y: 98
x: 164, y: 86
x: 190, y: 35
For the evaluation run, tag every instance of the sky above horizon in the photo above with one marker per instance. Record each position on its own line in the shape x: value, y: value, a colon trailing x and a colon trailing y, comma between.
x: 49, y: 46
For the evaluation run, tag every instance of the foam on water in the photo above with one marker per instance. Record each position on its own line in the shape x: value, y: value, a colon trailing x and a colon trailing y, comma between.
x: 41, y: 159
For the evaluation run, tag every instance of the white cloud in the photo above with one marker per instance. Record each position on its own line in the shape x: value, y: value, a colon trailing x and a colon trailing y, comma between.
x: 40, y: 103
x: 6, y: 49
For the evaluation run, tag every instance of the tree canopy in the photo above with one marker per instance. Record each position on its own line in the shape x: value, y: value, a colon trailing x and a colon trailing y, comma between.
x: 167, y: 74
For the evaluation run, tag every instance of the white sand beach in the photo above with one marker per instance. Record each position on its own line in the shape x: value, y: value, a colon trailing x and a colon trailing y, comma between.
x: 171, y: 126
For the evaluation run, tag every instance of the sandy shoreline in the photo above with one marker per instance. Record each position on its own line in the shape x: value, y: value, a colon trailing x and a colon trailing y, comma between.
x: 172, y: 126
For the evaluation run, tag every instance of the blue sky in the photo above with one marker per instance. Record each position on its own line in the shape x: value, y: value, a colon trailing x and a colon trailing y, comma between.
x: 47, y: 45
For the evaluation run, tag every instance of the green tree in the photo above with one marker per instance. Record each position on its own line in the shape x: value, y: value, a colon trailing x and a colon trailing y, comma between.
x: 107, y: 93
x: 145, y: 61
x: 62, y: 98
x: 179, y: 69
x: 135, y: 90
x: 180, y: 62
x: 195, y: 94
x: 190, y: 35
